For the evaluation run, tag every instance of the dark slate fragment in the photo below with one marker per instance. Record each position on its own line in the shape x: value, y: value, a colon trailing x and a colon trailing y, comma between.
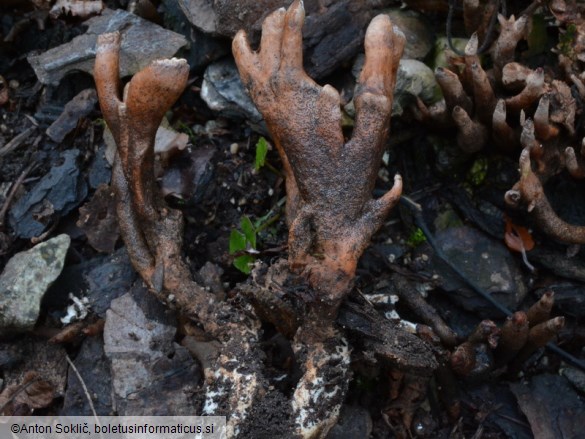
x: 55, y: 195
x: 109, y: 280
x: 553, y: 408
x: 100, y: 279
x: 556, y: 260
x: 142, y: 42
x: 79, y: 107
x: 203, y: 48
x: 188, y: 177
x: 485, y: 262
x: 92, y: 365
x: 223, y: 91
x: 100, y: 171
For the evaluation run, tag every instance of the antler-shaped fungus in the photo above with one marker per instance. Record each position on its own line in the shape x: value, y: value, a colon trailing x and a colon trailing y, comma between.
x: 528, y: 191
x: 480, y: 103
x: 329, y: 183
x: 331, y: 213
x: 153, y: 233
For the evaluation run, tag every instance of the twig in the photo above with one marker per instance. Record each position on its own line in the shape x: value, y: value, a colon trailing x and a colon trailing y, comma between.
x: 13, y: 189
x: 16, y: 142
x: 36, y: 239
x: 87, y: 395
x: 487, y: 41
x: 406, y: 291
x: 416, y: 210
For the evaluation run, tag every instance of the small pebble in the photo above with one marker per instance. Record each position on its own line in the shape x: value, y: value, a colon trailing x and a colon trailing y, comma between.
x: 386, y: 158
x: 384, y: 175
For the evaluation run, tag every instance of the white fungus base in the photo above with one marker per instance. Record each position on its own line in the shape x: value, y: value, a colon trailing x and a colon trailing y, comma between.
x: 315, y: 391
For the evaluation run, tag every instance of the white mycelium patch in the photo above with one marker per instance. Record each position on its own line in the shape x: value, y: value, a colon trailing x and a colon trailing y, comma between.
x: 235, y: 385
x: 311, y: 395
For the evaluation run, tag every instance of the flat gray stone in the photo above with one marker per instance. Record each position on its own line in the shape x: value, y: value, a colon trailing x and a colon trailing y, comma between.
x: 142, y: 42
x: 223, y: 92
x: 25, y: 279
x: 483, y: 260
x: 416, y: 29
x: 151, y: 375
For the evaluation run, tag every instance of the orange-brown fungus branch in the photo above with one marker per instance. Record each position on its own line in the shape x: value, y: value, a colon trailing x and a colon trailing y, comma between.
x: 331, y: 213
x: 151, y: 231
x: 530, y: 193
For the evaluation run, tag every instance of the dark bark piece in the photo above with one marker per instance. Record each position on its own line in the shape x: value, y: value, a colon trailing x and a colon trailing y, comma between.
x: 372, y: 332
x: 97, y: 218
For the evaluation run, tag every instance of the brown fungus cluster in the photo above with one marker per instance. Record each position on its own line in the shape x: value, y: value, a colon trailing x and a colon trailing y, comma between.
x: 331, y: 213
x: 517, y: 109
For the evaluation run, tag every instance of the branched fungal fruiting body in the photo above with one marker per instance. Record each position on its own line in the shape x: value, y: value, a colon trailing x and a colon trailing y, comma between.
x: 153, y: 233
x: 329, y: 182
x: 331, y: 212
x: 528, y: 191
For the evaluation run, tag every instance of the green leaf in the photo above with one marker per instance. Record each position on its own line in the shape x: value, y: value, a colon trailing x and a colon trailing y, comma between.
x: 416, y: 238
x: 237, y: 241
x: 244, y: 263
x: 249, y: 230
x: 261, y: 151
